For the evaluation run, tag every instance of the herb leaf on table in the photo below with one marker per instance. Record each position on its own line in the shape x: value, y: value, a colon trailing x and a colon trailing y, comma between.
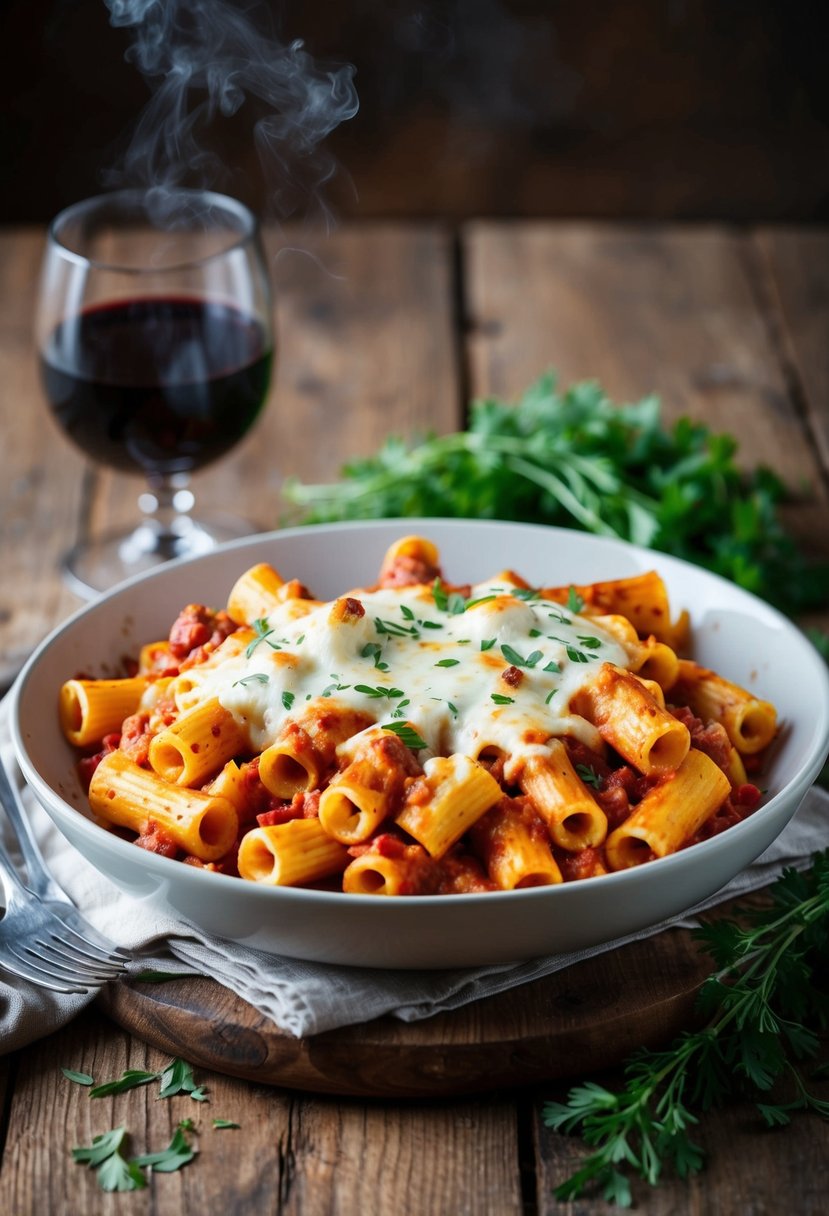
x: 764, y: 1006
x: 574, y: 459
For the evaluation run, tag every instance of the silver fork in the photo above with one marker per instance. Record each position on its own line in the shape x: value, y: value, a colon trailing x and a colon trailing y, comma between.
x: 43, y: 937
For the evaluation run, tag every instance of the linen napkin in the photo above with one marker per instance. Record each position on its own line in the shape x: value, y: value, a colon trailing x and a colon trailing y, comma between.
x: 307, y: 998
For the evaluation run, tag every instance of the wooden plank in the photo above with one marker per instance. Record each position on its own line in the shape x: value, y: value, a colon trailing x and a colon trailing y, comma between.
x: 366, y: 346
x: 797, y: 264
x: 41, y: 487
x: 641, y: 309
x: 294, y: 1155
x: 456, y: 1157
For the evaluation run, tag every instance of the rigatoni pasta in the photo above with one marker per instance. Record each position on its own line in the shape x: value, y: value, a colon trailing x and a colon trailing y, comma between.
x: 420, y: 737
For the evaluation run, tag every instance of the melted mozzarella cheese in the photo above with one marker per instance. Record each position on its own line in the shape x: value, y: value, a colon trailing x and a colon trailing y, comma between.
x: 497, y: 674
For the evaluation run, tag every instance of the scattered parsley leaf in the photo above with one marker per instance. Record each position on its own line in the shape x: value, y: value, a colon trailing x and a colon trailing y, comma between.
x: 104, y: 1155
x: 288, y: 699
x: 80, y: 1078
x: 222, y: 1124
x: 177, y: 1078
x: 488, y: 643
x: 130, y: 1079
x: 500, y: 699
x: 447, y: 663
x: 178, y: 1152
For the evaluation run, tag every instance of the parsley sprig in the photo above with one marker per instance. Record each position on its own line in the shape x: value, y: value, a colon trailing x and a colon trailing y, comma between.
x: 572, y: 458
x: 763, y: 1006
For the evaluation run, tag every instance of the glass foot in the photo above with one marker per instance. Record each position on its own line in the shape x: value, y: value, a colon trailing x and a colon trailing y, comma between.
x: 98, y: 565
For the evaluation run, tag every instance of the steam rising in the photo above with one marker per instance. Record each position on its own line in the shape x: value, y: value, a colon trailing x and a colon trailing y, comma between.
x: 206, y: 60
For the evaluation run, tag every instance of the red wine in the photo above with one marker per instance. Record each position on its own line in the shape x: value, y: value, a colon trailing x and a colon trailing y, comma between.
x: 157, y: 385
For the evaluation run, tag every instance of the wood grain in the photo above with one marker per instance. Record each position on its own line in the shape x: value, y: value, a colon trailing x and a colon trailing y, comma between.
x: 640, y: 309
x: 797, y: 263
x: 41, y: 486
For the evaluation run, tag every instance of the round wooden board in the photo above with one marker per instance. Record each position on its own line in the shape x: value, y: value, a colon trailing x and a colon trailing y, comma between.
x: 578, y: 1021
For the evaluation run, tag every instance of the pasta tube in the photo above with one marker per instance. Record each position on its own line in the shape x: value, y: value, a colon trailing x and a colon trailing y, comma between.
x: 197, y: 744
x: 515, y: 847
x: 631, y: 721
x: 749, y: 722
x: 90, y: 709
x: 454, y: 792
x: 573, y: 817
x: 123, y: 793
x: 289, y: 854
x: 670, y: 813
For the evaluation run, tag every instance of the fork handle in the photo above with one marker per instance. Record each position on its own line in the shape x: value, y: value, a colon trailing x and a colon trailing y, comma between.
x: 40, y: 881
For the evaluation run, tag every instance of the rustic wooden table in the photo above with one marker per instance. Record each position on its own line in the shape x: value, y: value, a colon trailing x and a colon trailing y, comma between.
x: 390, y: 329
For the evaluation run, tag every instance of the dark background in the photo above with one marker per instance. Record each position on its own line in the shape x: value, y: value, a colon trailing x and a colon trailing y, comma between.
x: 668, y: 109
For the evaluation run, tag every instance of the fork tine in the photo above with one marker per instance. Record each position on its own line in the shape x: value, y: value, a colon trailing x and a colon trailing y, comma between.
x: 36, y: 975
x: 102, y: 951
x: 36, y: 954
x: 63, y: 952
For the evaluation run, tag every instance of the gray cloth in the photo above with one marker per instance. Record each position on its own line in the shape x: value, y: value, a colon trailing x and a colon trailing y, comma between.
x: 307, y: 998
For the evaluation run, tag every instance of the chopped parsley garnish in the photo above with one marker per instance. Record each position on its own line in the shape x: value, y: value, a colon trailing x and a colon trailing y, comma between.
x: 589, y: 775
x: 257, y: 677
x: 400, y: 709
x: 448, y: 601
x: 394, y: 630
x: 518, y: 660
x: 526, y: 593
x: 378, y: 690
x: 406, y: 734
x: 575, y: 602
x: 447, y: 663
x: 500, y: 699
x: 488, y: 643
x: 552, y: 666
x: 573, y: 653
x: 263, y: 634
x: 335, y: 686
x: 372, y: 650
x: 550, y: 696
x: 590, y: 643
x: 288, y: 699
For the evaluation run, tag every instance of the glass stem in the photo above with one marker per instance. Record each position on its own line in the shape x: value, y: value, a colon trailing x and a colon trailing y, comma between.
x: 165, y: 508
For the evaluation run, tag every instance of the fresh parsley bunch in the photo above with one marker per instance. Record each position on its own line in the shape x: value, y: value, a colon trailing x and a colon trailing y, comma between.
x: 574, y: 459
x: 764, y: 1007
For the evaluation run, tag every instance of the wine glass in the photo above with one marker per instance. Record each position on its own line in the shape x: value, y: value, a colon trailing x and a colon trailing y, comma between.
x: 154, y: 335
